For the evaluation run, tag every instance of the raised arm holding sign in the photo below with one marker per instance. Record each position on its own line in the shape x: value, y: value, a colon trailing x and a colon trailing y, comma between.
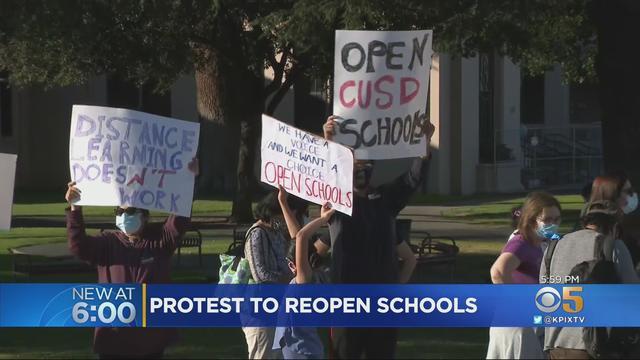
x: 380, y: 91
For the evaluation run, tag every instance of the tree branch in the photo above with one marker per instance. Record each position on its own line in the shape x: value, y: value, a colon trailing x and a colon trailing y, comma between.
x: 292, y: 75
x: 278, y: 71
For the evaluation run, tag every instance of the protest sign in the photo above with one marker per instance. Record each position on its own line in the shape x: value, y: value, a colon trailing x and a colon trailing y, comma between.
x: 7, y: 180
x: 306, y: 165
x: 380, y: 92
x: 123, y: 157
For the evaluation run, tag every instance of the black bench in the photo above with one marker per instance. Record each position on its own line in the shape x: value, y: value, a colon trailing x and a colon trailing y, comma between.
x: 432, y: 251
x: 191, y: 239
x: 437, y: 250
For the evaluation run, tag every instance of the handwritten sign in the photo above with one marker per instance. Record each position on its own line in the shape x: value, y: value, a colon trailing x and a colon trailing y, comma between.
x: 380, y: 91
x: 121, y: 157
x: 307, y: 165
x: 7, y: 181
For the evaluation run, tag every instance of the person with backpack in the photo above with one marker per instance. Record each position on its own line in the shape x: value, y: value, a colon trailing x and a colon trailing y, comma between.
x: 265, y: 250
x: 519, y: 263
x: 617, y: 188
x: 592, y: 255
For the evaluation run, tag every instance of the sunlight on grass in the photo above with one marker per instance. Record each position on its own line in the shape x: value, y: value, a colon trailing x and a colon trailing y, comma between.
x: 200, y: 207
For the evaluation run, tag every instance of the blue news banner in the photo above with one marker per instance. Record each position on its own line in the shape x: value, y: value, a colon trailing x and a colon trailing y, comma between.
x: 428, y: 305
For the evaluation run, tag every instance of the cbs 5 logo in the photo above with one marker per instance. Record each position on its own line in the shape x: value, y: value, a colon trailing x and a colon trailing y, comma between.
x: 548, y: 299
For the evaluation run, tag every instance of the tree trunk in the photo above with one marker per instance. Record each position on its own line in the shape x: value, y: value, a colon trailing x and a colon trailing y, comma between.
x: 211, y: 108
x: 248, y: 105
x: 229, y: 100
x: 210, y: 88
x: 619, y: 75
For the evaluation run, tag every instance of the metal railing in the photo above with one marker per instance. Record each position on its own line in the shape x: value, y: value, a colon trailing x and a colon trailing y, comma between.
x: 551, y: 157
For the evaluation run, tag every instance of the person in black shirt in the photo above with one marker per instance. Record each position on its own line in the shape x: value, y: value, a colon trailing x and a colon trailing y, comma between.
x: 363, y: 246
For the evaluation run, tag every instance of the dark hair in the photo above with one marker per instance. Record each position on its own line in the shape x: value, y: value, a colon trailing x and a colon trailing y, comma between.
x: 297, y: 205
x: 268, y: 207
x: 605, y: 223
x: 532, y: 208
x: 603, y: 214
x: 313, y: 256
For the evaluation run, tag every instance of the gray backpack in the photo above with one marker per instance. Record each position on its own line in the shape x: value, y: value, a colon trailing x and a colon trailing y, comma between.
x: 601, y: 342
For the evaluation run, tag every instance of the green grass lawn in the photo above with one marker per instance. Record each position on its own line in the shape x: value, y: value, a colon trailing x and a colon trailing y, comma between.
x: 497, y: 212
x: 475, y: 258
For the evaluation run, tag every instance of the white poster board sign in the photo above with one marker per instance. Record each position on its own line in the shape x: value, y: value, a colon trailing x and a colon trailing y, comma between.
x: 306, y: 165
x: 122, y: 157
x: 381, y: 81
x: 7, y: 182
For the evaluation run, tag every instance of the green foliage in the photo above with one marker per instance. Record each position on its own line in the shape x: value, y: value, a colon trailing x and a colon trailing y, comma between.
x: 61, y: 42
x: 535, y: 33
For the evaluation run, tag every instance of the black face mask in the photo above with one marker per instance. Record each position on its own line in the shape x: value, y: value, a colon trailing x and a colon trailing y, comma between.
x: 362, y: 178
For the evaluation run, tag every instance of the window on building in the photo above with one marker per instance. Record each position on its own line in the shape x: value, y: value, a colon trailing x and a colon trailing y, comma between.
x: 532, y: 99
x: 486, y: 131
x: 6, y: 121
x: 124, y: 94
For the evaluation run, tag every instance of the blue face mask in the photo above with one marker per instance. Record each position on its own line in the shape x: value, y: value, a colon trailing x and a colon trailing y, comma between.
x: 129, y: 224
x: 549, y: 231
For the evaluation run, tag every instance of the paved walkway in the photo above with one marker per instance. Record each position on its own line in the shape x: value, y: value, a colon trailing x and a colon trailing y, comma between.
x: 429, y: 218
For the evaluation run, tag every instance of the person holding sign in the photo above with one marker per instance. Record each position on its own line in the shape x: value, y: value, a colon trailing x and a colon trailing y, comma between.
x: 364, y: 245
x: 139, y: 252
x: 304, y: 342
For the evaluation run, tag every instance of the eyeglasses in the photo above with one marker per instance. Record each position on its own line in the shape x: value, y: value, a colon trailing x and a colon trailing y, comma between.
x: 549, y: 219
x: 129, y: 211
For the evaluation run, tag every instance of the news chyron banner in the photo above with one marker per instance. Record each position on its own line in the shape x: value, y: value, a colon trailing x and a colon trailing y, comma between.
x: 153, y: 305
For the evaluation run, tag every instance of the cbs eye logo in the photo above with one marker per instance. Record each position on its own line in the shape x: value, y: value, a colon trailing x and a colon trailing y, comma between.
x: 549, y: 300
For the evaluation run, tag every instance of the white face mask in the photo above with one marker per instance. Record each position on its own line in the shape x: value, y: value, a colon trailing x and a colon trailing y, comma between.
x: 632, y: 203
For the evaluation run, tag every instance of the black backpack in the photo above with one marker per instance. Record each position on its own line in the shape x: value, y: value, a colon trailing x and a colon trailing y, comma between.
x: 601, y: 342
